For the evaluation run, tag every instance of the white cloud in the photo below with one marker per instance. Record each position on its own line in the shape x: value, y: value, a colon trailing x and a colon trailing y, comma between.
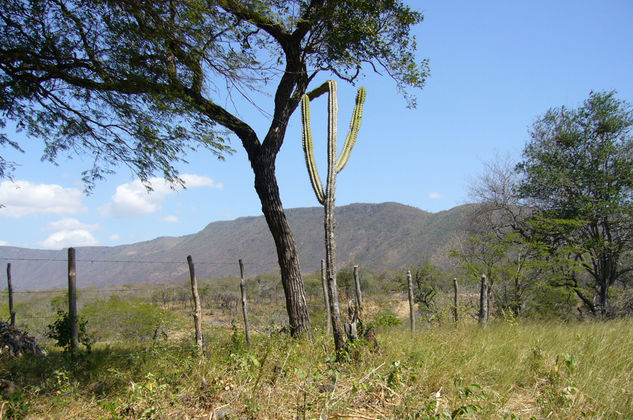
x: 170, y: 219
x: 115, y: 237
x: 68, y: 238
x: 23, y: 198
x: 194, y: 181
x: 134, y: 200
x: 436, y: 196
x: 69, y: 223
x: 4, y: 243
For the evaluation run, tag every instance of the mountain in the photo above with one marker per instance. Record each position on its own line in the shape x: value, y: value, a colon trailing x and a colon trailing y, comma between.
x: 375, y: 236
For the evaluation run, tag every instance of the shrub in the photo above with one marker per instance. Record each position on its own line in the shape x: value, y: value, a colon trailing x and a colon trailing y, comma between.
x: 126, y: 318
x: 386, y: 318
x: 60, y: 331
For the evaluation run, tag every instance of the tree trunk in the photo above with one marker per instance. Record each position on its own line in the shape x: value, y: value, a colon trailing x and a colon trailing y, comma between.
x: 268, y: 191
x: 603, y: 298
x: 483, y: 300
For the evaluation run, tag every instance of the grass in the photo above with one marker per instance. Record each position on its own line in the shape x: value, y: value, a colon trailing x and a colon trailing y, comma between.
x: 507, y: 370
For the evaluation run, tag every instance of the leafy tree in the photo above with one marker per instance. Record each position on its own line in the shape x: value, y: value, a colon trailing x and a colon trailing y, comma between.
x: 426, y: 279
x: 141, y: 82
x: 577, y: 172
x: 524, y: 254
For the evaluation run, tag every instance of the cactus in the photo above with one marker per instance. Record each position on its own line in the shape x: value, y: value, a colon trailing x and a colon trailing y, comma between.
x: 327, y: 197
x: 350, y: 141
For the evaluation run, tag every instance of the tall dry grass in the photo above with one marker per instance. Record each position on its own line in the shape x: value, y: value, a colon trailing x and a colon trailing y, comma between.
x: 506, y: 370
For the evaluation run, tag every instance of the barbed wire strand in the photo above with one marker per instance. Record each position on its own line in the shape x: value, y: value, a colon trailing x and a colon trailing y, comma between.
x: 123, y: 261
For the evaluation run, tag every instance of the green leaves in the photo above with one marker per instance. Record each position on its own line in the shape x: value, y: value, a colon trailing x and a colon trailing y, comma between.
x: 578, y: 172
x: 61, y: 331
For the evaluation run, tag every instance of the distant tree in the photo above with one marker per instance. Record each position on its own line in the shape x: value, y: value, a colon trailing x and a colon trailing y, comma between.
x: 426, y: 278
x: 141, y: 83
x: 520, y: 253
x: 577, y: 171
x: 499, y: 209
x: 345, y: 279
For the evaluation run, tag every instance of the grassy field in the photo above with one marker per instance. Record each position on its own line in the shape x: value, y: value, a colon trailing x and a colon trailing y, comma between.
x: 507, y: 370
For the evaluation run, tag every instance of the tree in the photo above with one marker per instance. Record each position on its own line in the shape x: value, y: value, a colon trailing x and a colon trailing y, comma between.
x: 499, y: 242
x: 578, y: 172
x: 426, y: 279
x: 140, y: 82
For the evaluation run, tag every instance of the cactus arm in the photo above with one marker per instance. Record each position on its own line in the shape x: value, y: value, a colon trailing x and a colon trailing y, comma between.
x: 357, y: 117
x: 308, y: 150
x: 332, y: 126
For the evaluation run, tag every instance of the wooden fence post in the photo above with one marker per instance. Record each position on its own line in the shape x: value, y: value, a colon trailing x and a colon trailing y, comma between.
x: 411, y: 303
x: 327, y: 300
x: 359, y: 296
x: 197, y: 313
x: 244, y: 312
x: 72, y: 300
x: 10, y: 290
x: 483, y: 300
x: 455, y: 314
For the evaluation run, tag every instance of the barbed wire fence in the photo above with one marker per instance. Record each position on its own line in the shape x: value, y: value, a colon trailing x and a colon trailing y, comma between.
x: 141, y: 311
x: 150, y: 311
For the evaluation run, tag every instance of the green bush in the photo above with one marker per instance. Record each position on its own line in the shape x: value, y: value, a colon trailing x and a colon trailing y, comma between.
x: 386, y: 318
x: 126, y: 319
x: 61, y: 331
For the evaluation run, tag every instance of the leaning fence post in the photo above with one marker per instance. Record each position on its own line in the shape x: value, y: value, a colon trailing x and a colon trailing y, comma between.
x: 197, y: 313
x: 455, y: 315
x: 411, y: 303
x: 10, y: 290
x: 244, y: 312
x: 72, y: 300
x: 327, y: 300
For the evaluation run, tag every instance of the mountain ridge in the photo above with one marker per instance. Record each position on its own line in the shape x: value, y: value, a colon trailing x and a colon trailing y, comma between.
x: 376, y: 236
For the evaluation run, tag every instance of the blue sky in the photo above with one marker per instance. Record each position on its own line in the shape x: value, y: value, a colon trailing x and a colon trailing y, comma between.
x: 495, y: 67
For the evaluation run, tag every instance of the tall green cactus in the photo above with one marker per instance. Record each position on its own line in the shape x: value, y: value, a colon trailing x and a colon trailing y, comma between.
x: 327, y: 197
x: 350, y: 140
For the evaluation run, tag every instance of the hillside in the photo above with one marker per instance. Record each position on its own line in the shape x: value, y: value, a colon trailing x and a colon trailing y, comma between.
x: 376, y: 236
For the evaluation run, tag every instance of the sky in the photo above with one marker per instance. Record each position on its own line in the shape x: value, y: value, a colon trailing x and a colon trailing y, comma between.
x: 496, y: 66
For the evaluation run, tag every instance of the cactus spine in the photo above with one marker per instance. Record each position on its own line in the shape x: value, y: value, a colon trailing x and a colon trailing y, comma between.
x: 327, y: 197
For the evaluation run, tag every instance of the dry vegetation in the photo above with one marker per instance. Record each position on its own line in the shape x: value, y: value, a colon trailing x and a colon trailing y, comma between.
x: 507, y: 370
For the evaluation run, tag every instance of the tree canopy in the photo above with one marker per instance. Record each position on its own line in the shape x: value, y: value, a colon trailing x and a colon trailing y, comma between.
x: 139, y: 83
x: 578, y: 172
x: 142, y: 82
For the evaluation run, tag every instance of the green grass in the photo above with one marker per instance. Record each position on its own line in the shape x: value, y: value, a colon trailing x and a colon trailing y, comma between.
x: 517, y: 370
